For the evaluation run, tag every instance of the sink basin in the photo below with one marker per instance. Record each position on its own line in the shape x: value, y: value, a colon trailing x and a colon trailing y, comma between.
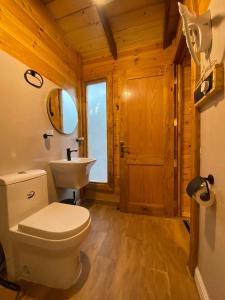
x: 72, y: 174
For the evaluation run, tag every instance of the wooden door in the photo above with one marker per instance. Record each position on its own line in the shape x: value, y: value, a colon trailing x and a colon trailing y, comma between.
x: 147, y: 146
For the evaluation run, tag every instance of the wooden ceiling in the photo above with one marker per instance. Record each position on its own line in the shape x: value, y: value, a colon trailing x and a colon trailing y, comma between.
x: 134, y: 24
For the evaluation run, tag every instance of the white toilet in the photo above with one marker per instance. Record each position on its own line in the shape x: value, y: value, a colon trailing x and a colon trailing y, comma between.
x: 41, y: 242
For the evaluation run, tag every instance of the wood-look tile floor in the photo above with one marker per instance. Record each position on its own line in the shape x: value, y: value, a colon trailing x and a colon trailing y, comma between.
x: 126, y: 257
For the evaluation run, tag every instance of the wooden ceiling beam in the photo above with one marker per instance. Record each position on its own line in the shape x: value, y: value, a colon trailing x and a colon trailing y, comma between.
x: 108, y: 31
x: 171, y: 19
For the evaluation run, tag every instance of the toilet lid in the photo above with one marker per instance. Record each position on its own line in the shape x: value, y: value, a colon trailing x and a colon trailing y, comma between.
x: 56, y: 221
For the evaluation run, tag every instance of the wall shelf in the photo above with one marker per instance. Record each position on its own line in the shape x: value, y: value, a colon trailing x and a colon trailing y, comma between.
x: 215, y: 78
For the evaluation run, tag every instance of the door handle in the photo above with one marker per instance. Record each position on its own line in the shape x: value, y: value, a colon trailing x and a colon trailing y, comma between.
x: 123, y: 149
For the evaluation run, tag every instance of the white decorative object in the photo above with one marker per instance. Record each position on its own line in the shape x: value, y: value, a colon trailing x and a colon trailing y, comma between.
x: 197, y: 30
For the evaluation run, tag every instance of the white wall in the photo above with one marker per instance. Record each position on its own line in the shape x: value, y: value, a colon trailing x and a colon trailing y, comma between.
x: 23, y: 120
x: 211, y: 261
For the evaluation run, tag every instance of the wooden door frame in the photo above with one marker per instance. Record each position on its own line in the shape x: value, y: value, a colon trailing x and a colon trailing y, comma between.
x: 177, y: 135
x: 194, y: 209
x: 109, y: 186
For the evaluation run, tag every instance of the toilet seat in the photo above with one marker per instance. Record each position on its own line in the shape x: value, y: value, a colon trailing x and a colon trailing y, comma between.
x: 56, y: 221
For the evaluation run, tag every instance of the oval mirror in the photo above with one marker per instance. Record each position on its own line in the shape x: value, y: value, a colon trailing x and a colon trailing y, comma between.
x: 62, y: 111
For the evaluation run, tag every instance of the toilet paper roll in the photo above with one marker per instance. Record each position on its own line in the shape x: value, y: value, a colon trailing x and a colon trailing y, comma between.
x: 207, y: 203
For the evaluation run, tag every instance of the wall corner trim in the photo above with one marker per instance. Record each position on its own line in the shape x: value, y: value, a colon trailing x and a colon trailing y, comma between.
x: 200, y: 285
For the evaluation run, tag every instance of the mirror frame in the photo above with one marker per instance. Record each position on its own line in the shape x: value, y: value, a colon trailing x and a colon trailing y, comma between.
x: 49, y: 112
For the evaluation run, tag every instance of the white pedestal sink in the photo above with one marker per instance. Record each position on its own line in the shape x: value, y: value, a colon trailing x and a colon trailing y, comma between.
x: 73, y: 174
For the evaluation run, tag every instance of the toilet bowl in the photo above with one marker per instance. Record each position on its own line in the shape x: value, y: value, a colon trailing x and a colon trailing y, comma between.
x: 41, y: 242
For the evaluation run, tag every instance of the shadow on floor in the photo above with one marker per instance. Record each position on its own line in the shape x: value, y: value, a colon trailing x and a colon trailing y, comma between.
x: 86, y: 266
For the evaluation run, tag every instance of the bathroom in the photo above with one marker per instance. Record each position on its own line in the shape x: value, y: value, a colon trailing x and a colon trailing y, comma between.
x: 144, y: 237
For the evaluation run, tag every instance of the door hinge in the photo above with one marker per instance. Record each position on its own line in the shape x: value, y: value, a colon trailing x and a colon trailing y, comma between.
x: 175, y: 122
x: 175, y: 80
x: 175, y: 163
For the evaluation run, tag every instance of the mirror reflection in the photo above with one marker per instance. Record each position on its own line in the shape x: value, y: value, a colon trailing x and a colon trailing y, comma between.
x: 62, y: 111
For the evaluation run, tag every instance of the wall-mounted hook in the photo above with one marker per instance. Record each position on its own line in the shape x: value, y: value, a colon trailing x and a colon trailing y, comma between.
x: 80, y: 139
x: 48, y: 133
x: 45, y: 135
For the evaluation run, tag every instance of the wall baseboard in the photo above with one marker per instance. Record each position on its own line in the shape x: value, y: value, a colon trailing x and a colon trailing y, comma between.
x: 200, y: 285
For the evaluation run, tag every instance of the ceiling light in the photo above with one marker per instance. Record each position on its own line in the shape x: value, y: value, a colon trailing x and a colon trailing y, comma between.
x: 102, y: 2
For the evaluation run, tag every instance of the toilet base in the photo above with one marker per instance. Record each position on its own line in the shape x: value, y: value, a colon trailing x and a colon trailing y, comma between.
x: 55, y: 270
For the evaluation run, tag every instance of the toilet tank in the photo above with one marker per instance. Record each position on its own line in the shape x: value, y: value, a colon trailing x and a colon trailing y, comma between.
x: 21, y: 195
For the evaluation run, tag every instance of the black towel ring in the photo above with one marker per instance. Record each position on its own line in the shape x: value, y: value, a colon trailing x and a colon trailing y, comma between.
x: 39, y: 80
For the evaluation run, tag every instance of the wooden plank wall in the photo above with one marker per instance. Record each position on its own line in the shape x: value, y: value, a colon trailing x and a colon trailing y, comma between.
x: 135, y: 64
x: 186, y: 138
x: 28, y: 33
x: 189, y: 159
x: 203, y: 5
x: 199, y: 6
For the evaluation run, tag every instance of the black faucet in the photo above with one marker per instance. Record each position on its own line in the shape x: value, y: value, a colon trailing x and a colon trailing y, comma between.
x: 68, y: 152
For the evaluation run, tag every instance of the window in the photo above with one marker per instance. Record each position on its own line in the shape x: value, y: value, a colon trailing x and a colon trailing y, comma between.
x: 97, y: 130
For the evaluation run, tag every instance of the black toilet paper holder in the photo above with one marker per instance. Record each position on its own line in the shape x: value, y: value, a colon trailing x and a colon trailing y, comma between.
x: 205, y: 196
x: 196, y: 183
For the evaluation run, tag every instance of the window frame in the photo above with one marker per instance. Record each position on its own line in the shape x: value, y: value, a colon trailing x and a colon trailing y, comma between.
x: 100, y: 186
